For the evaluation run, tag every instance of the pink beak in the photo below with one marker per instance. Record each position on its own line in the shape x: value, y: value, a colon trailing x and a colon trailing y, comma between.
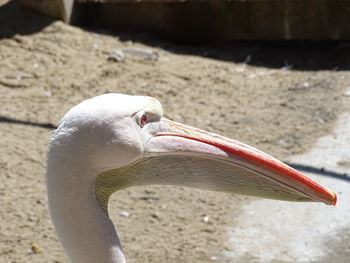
x: 210, y: 161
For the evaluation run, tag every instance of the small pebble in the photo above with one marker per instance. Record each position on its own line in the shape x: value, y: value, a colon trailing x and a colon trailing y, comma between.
x: 35, y: 249
x: 281, y: 142
x: 142, y: 53
x: 347, y: 93
x: 240, y: 69
x: 305, y: 84
x: 214, y: 258
x: 125, y: 213
x: 116, y: 56
x: 320, y: 121
x: 206, y: 219
x: 47, y: 93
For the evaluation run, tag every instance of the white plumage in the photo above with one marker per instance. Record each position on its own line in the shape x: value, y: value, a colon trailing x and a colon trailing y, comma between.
x: 115, y: 141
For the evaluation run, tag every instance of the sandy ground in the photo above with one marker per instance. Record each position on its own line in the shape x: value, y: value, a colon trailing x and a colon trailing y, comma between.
x: 279, y: 97
x: 290, y: 225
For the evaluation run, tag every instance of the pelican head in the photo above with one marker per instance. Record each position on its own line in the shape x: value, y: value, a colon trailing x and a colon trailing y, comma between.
x: 115, y: 141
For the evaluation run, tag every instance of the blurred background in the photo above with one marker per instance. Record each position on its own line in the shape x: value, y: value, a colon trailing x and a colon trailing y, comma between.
x: 273, y: 74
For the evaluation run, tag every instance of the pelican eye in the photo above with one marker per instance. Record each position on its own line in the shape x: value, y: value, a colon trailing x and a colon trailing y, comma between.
x: 143, y: 120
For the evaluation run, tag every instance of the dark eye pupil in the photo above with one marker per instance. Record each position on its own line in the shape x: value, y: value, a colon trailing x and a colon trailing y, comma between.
x: 143, y: 121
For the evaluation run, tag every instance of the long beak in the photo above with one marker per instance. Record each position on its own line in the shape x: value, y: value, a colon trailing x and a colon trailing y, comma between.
x: 210, y: 161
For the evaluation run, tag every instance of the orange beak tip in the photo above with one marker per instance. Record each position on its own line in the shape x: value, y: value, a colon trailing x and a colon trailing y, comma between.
x: 334, y: 200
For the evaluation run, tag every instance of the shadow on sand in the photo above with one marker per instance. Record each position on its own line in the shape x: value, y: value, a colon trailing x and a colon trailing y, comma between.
x: 15, y: 20
x: 296, y: 55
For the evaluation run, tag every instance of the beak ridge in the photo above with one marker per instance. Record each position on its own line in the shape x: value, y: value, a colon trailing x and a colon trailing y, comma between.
x: 176, y: 138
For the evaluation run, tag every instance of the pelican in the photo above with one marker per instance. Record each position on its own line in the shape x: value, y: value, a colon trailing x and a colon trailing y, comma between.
x: 115, y: 141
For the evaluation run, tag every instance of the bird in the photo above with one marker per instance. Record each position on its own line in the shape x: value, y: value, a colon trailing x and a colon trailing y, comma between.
x: 114, y: 141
